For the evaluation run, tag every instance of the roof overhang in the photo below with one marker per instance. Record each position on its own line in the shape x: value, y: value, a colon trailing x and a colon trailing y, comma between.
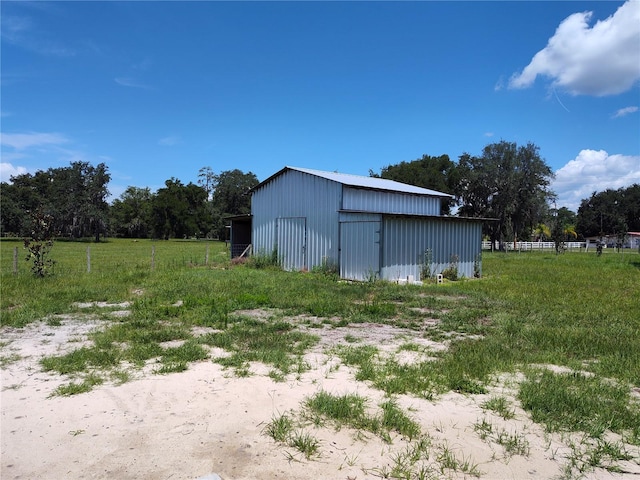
x: 239, y: 218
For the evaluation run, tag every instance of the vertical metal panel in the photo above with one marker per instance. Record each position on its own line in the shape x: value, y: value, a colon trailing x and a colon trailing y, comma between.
x: 292, y: 242
x: 406, y: 240
x: 360, y: 250
x: 389, y: 202
x: 297, y: 194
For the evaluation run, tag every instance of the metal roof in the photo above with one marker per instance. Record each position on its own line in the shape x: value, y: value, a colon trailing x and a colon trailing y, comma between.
x: 360, y: 182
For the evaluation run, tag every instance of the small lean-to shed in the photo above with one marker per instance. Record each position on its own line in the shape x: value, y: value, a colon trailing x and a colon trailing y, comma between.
x: 367, y: 227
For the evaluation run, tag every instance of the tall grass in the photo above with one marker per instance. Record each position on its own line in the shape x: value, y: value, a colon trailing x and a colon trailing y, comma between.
x: 576, y: 310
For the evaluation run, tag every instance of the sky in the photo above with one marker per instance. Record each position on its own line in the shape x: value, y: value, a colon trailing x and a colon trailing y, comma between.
x: 158, y: 89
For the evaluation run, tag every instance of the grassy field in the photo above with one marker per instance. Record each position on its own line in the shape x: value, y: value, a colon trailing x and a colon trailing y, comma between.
x: 574, y: 310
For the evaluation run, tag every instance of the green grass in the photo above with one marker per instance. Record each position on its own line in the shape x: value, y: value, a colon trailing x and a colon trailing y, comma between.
x: 574, y: 310
x: 274, y: 343
x: 282, y: 430
x: 351, y: 410
x: 74, y: 388
x: 500, y: 405
x: 279, y: 428
x: 577, y: 402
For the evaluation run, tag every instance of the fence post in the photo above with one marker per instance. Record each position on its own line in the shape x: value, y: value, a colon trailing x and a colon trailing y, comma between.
x: 153, y: 257
x: 206, y: 257
x: 15, y: 260
x: 88, y: 259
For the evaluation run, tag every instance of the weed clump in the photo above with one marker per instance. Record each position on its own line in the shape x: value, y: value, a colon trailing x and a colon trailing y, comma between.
x: 40, y: 243
x: 263, y: 260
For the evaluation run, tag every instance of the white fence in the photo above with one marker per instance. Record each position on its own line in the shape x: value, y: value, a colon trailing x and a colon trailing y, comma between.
x: 531, y: 246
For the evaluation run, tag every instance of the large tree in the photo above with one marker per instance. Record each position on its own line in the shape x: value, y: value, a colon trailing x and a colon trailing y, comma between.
x: 508, y: 183
x: 610, y: 212
x: 231, y: 196
x: 179, y: 210
x: 74, y: 196
x: 131, y: 213
x: 434, y: 173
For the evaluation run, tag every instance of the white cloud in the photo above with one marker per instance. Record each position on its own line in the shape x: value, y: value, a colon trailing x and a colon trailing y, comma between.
x: 21, y: 141
x: 169, y: 141
x: 8, y: 170
x: 594, y: 171
x: 130, y: 82
x: 625, y: 111
x: 599, y: 60
x: 22, y: 32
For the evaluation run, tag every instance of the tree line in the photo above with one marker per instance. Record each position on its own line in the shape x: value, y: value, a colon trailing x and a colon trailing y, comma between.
x: 74, y: 199
x: 507, y: 184
x: 510, y: 184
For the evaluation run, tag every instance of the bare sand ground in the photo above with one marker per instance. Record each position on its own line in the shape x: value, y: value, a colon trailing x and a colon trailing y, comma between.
x: 205, y: 420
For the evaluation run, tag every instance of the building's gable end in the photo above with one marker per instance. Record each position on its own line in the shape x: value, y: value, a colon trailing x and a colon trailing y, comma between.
x: 297, y: 195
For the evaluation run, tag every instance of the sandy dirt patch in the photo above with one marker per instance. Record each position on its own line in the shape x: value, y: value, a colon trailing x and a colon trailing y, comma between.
x: 203, y: 421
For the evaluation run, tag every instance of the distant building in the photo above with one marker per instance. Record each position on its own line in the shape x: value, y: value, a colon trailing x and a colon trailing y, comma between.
x: 366, y: 227
x: 632, y: 240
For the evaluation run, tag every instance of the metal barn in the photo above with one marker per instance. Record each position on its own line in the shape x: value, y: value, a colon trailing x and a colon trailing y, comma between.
x: 367, y: 227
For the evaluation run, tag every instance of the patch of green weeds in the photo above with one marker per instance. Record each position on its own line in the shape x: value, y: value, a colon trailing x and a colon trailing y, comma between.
x: 120, y: 376
x: 281, y: 429
x: 483, y: 428
x: 278, y: 344
x: 305, y: 443
x: 53, y: 322
x: 277, y: 376
x: 171, y: 366
x: 576, y: 402
x: 75, y: 388
x: 189, y: 351
x: 499, y: 405
x: 350, y: 410
x: 394, y: 419
x: 80, y: 360
x: 587, y: 454
x: 409, y: 463
x: 356, y: 355
x: 448, y: 460
x: 6, y: 360
x: 134, y: 340
x: 513, y: 443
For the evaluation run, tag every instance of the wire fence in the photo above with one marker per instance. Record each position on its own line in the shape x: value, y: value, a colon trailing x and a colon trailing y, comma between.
x: 78, y: 258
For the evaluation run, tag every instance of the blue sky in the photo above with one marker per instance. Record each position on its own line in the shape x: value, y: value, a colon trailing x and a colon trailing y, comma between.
x: 157, y: 90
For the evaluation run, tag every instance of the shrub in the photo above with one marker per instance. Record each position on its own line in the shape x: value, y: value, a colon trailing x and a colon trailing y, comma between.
x: 426, y: 272
x: 40, y: 243
x: 263, y: 260
x: 451, y: 272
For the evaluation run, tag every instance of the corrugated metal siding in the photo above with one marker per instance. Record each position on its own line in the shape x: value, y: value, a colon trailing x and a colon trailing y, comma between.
x: 292, y: 242
x: 396, y: 243
x: 296, y: 194
x: 360, y: 217
x: 389, y: 202
x: 405, y: 241
x: 360, y: 250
